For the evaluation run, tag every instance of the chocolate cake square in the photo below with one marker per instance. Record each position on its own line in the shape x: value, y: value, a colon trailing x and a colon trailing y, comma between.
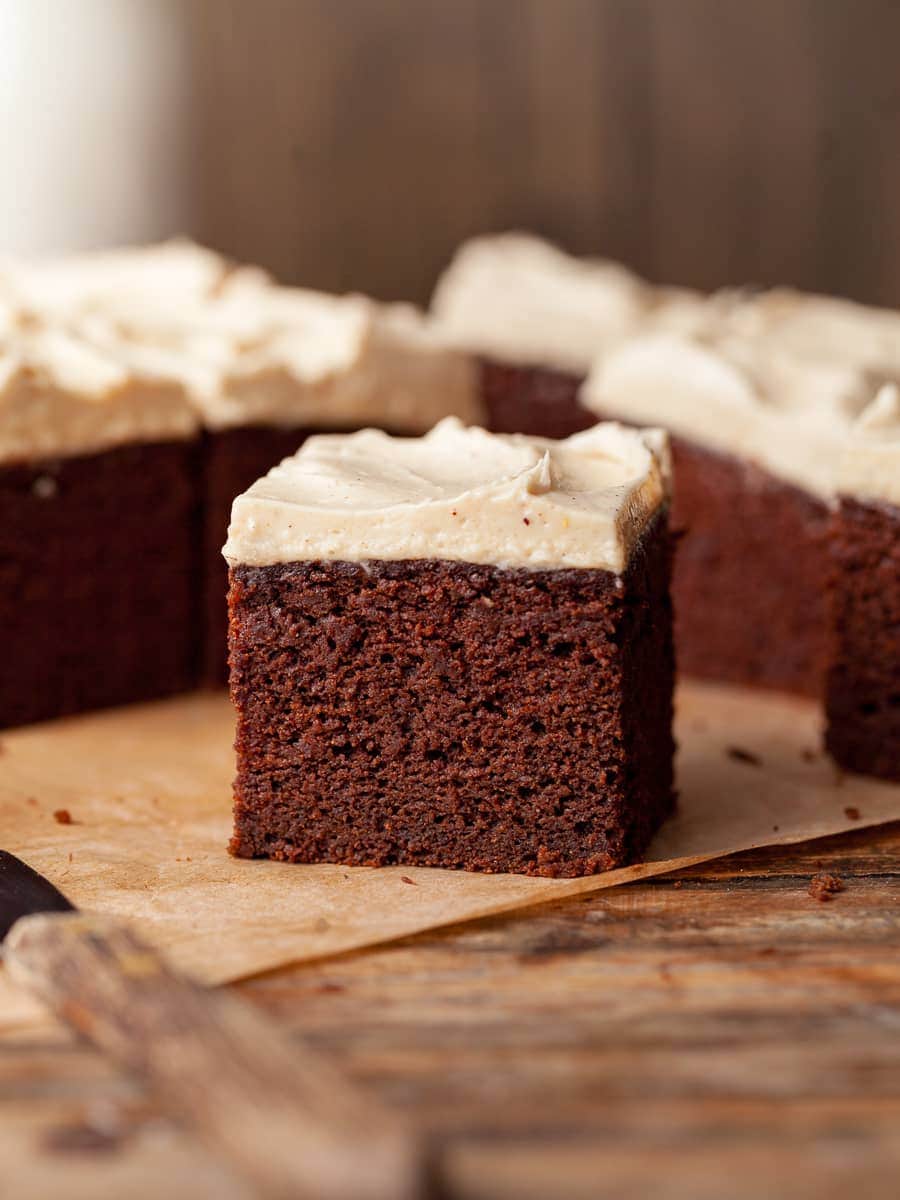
x: 454, y: 651
x: 98, y: 530
x: 751, y: 573
x: 863, y: 696
x: 758, y: 436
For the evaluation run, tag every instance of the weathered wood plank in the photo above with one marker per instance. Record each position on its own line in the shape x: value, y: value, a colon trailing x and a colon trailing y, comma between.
x: 716, y: 1033
x: 710, y: 142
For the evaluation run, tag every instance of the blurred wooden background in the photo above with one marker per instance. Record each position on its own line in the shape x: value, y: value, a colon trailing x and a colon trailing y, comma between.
x: 354, y: 143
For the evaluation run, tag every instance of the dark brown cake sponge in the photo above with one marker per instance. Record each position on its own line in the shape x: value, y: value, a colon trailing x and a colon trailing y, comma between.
x: 453, y: 715
x: 863, y: 697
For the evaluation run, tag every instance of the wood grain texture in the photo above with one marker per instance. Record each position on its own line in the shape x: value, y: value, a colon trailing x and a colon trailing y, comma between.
x: 354, y: 143
x: 276, y: 1111
x: 716, y: 1033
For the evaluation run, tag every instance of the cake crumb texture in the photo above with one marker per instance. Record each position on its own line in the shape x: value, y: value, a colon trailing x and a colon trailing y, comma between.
x: 863, y: 694
x: 453, y: 715
x: 97, y: 580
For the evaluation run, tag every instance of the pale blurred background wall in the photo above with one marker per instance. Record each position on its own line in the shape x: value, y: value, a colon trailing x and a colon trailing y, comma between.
x: 354, y: 143
x: 93, y: 141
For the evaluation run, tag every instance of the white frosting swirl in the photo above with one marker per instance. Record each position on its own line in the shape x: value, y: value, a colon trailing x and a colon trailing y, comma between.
x: 457, y: 494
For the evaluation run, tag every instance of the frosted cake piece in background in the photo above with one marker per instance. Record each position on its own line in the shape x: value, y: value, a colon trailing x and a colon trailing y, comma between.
x: 98, y: 512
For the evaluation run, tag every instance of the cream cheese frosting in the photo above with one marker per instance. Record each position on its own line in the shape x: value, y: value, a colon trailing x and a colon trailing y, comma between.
x: 742, y: 396
x: 519, y: 299
x: 61, y: 396
x: 870, y: 467
x: 458, y: 494
x: 261, y: 354
x: 247, y: 350
x: 821, y: 327
x: 156, y: 277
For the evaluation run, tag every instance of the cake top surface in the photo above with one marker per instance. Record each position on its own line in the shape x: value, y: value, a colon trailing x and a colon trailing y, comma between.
x: 457, y: 494
x: 517, y: 298
x: 164, y: 274
x: 247, y: 350
x: 747, y: 396
x: 61, y: 395
x: 870, y: 467
x: 821, y: 327
x: 274, y: 355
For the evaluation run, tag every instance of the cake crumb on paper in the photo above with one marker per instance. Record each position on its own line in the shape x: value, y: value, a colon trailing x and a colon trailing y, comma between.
x: 739, y: 754
x: 852, y: 813
x: 825, y: 886
x: 62, y: 816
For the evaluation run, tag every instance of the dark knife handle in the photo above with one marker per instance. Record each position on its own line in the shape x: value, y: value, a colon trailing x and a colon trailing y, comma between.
x: 279, y: 1112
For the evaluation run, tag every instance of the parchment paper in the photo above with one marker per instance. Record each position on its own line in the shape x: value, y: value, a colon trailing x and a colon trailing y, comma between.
x: 148, y: 793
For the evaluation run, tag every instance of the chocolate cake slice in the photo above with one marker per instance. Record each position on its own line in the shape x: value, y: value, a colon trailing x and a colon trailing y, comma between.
x: 454, y: 651
x: 758, y: 435
x: 98, y: 526
x: 863, y: 697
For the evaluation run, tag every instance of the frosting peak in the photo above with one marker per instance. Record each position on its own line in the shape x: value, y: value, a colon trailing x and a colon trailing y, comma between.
x: 459, y: 494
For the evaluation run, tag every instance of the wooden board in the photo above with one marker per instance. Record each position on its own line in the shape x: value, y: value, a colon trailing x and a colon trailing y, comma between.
x: 717, y: 1033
